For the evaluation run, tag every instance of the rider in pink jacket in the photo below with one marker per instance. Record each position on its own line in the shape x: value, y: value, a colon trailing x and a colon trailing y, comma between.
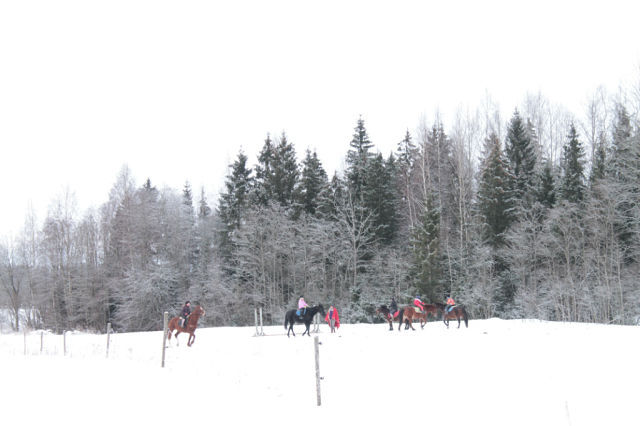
x: 302, y: 305
x: 419, y: 303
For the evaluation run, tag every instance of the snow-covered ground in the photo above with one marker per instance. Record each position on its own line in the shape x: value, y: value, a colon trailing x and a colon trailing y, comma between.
x: 495, y: 372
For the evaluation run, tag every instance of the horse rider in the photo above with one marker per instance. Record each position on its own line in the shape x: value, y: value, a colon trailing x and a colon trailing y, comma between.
x: 302, y: 307
x: 184, y: 314
x: 450, y: 303
x: 393, y: 307
x: 417, y: 302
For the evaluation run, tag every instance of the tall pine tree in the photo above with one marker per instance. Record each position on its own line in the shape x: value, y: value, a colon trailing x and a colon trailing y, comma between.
x: 521, y: 159
x: 495, y: 200
x: 358, y: 158
x: 233, y: 202
x: 313, y: 180
x: 573, y: 187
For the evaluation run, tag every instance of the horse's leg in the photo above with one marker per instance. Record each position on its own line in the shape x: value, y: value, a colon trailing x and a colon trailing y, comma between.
x: 410, y: 323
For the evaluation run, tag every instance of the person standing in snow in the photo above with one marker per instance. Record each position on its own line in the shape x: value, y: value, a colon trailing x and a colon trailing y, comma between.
x: 332, y: 318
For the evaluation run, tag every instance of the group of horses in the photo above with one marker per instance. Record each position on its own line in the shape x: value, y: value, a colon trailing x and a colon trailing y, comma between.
x: 408, y: 314
x: 191, y: 324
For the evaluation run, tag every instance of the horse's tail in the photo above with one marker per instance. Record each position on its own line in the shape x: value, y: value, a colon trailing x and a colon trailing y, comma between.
x: 466, y: 318
x: 286, y: 320
x: 401, y: 318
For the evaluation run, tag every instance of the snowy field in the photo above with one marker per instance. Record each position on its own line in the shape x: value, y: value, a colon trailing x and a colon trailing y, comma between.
x: 493, y: 373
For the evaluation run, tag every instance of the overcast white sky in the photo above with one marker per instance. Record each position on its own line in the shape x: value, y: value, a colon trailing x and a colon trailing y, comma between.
x: 175, y: 88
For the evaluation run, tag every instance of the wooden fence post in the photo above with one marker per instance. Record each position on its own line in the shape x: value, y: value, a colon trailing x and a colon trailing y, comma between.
x: 108, y: 337
x: 316, y: 345
x: 261, y: 329
x: 255, y: 317
x: 25, y: 340
x: 164, y: 335
x: 64, y: 340
x: 41, y: 342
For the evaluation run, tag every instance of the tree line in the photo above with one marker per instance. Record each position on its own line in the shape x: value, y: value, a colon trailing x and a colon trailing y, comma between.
x: 533, y: 216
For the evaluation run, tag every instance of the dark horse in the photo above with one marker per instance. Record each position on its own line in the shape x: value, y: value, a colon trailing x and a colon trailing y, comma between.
x: 291, y: 318
x: 409, y: 314
x: 386, y: 314
x: 190, y: 326
x: 456, y: 312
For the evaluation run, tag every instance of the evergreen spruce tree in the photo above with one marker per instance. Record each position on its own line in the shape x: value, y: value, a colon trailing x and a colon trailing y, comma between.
x: 358, y: 158
x: 313, y: 180
x: 285, y: 172
x: 264, y: 179
x: 204, y: 210
x: 495, y: 202
x: 331, y: 196
x: 623, y: 174
x: 521, y: 159
x: 546, y: 190
x: 599, y: 162
x: 187, y: 198
x: 573, y: 187
x: 188, y: 252
x: 233, y: 202
x: 406, y: 152
x: 427, y: 258
x: 379, y: 197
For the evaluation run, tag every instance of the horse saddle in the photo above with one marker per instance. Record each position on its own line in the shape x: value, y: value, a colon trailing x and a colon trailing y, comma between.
x: 418, y: 310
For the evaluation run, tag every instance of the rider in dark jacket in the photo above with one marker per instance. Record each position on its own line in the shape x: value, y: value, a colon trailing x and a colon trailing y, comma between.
x: 393, y: 307
x: 184, y: 314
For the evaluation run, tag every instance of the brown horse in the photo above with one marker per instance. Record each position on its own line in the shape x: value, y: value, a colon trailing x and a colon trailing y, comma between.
x: 386, y: 314
x: 409, y: 314
x: 456, y: 313
x: 190, y: 327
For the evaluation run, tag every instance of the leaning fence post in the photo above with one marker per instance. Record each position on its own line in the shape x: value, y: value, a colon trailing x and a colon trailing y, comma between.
x: 316, y: 345
x: 164, y: 336
x: 261, y: 329
x: 255, y: 316
x: 41, y: 341
x: 108, y: 337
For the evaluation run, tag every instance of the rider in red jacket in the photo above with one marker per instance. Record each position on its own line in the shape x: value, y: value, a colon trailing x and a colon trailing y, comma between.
x: 417, y: 302
x: 450, y: 303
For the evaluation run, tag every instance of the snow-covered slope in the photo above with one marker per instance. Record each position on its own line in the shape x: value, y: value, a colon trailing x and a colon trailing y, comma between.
x: 493, y: 373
